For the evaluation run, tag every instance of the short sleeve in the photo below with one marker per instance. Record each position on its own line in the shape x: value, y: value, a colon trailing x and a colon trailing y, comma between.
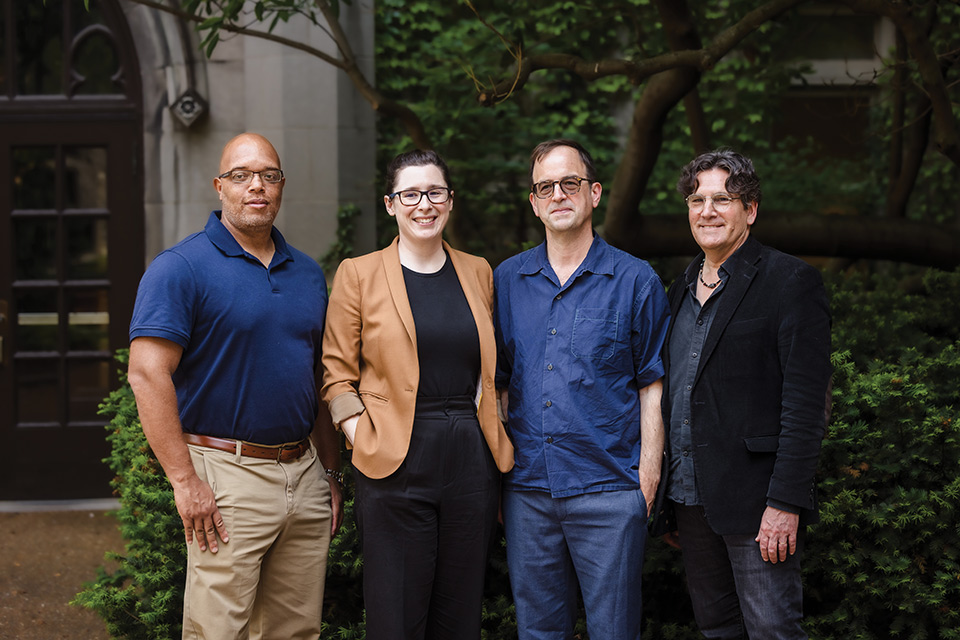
x: 166, y: 300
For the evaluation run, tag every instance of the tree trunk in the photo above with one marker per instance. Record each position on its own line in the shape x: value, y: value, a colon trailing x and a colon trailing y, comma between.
x: 661, y: 94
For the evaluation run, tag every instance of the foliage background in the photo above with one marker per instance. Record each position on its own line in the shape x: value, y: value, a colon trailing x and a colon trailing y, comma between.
x: 883, y: 562
x: 436, y: 56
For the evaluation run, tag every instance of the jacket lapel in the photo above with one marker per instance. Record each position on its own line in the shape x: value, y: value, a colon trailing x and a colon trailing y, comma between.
x: 742, y: 267
x: 467, y: 284
x: 398, y: 289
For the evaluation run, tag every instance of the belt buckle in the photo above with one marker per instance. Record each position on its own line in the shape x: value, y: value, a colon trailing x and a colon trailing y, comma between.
x: 286, y: 447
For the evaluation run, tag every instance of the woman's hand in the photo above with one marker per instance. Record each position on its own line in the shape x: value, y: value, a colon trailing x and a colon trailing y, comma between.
x: 349, y: 427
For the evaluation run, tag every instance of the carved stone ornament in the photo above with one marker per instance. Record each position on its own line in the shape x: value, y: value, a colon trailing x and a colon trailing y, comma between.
x: 189, y: 107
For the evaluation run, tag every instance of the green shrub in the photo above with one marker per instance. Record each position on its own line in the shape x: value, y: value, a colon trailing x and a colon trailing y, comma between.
x: 883, y: 562
x: 143, y: 599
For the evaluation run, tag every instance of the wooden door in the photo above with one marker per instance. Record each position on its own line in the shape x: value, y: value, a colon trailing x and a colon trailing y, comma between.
x: 71, y: 242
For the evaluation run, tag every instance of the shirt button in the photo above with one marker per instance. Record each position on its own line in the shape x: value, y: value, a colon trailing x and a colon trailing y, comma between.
x: 559, y: 295
x: 694, y: 354
x: 686, y: 422
x: 700, y: 322
x: 549, y: 367
x: 689, y: 387
x: 549, y: 440
x: 549, y: 404
x: 685, y: 453
x: 553, y: 332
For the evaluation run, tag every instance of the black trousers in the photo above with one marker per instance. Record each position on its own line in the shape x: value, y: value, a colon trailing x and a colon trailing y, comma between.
x: 426, y: 529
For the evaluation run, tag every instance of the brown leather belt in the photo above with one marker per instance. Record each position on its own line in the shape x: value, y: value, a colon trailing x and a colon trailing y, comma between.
x: 278, y: 452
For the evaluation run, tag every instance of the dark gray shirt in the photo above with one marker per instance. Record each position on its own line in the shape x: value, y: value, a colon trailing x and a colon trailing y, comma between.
x: 690, y: 328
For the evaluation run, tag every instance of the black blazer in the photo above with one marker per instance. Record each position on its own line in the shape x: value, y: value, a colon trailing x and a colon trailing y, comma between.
x: 759, y: 399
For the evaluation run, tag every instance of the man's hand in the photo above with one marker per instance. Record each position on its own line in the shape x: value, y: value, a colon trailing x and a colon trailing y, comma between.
x: 778, y: 534
x: 201, y: 517
x: 649, y: 480
x: 651, y: 441
x: 672, y: 538
x: 336, y: 506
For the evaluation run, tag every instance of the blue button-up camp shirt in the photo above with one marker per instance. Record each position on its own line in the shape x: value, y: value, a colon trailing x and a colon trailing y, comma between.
x: 573, y: 359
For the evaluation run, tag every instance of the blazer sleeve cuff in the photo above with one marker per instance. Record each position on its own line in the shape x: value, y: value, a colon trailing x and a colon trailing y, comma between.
x: 345, y: 405
x: 783, y: 506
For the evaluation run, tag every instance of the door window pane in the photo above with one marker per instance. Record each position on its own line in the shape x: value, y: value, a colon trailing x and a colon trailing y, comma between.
x: 85, y: 182
x: 35, y: 247
x: 34, y: 177
x: 37, y: 320
x: 38, y: 396
x: 89, y: 318
x: 88, y: 382
x: 86, y: 255
x: 39, y: 47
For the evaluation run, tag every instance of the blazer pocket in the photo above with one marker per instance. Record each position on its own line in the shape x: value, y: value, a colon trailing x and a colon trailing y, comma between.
x: 376, y: 397
x: 762, y: 444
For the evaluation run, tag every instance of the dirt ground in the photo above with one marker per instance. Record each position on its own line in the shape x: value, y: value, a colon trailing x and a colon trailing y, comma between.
x: 45, y: 557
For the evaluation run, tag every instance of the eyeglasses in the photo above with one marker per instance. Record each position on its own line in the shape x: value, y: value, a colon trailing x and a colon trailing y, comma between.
x: 412, y: 197
x: 721, y: 201
x: 569, y: 185
x: 242, y: 176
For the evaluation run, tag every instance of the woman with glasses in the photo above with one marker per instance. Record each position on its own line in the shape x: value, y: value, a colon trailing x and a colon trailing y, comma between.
x: 409, y: 357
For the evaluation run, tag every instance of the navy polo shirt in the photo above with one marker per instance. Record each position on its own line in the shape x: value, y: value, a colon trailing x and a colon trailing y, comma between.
x: 573, y: 359
x: 250, y: 334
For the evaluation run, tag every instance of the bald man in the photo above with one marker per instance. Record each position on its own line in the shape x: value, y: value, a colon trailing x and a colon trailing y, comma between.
x: 224, y: 356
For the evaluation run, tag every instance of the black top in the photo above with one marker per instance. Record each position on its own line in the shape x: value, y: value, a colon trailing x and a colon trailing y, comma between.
x: 691, y: 325
x: 448, y: 345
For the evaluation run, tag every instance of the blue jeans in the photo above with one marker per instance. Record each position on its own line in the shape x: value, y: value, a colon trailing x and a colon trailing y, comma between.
x: 594, y: 539
x: 735, y: 593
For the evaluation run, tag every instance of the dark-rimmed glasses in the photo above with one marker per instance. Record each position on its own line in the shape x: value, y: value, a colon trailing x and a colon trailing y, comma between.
x: 721, y: 201
x: 243, y: 176
x: 412, y: 197
x: 569, y: 185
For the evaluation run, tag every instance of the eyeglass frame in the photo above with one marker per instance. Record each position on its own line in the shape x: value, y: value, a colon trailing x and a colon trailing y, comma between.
x: 711, y: 199
x: 449, y: 191
x: 553, y: 186
x: 229, y: 174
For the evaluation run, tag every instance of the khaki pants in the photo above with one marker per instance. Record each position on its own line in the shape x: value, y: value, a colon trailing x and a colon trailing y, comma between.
x: 267, y: 582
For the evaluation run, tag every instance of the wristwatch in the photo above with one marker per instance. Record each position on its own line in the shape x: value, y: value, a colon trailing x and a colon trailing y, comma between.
x: 336, y: 474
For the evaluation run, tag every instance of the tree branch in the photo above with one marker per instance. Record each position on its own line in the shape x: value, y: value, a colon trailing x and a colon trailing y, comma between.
x: 700, y: 59
x: 813, y: 235
x: 348, y: 64
x: 245, y: 31
x: 947, y: 136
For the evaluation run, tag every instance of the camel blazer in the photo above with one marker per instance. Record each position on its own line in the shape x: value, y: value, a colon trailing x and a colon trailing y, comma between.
x: 370, y: 360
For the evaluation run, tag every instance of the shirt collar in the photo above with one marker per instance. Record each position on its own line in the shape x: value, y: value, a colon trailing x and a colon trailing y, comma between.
x: 225, y: 242
x: 599, y: 259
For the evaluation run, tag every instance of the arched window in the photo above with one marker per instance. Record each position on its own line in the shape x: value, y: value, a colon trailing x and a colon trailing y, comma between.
x: 58, y: 48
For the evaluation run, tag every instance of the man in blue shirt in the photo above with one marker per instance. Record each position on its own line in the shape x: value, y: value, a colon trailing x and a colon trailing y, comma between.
x: 224, y: 356
x: 580, y: 327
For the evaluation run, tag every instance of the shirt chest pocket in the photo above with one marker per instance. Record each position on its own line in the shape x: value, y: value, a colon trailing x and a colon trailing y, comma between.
x: 595, y: 333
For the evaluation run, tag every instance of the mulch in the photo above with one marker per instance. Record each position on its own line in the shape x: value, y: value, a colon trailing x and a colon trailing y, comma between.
x: 45, y: 557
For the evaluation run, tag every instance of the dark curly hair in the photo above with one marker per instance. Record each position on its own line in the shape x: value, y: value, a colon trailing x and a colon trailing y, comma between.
x: 415, y: 158
x: 742, y: 181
